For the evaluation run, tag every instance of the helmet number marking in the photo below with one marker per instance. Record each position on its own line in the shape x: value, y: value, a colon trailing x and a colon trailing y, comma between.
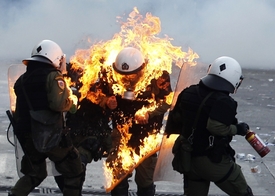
x: 222, y: 67
x: 38, y: 49
x: 124, y: 66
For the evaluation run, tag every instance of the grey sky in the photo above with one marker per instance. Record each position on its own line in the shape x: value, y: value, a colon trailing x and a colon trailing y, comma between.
x: 242, y: 29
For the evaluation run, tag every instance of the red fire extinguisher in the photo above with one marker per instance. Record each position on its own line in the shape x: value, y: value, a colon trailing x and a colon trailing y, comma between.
x: 256, y: 142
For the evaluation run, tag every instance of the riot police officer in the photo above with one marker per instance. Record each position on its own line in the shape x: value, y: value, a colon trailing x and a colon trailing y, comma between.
x: 42, y: 88
x: 89, y: 125
x: 205, y: 115
x: 129, y: 67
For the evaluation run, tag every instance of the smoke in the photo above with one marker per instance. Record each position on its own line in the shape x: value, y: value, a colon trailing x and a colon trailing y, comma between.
x: 242, y: 29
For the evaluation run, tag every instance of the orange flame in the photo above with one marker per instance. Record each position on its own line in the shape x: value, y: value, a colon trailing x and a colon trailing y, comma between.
x: 115, y: 171
x: 139, y: 32
x: 169, y: 98
x: 71, y: 95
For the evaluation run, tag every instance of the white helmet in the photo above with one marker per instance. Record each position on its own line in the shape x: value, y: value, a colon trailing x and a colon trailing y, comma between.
x: 224, y: 74
x: 129, y: 60
x: 48, y: 52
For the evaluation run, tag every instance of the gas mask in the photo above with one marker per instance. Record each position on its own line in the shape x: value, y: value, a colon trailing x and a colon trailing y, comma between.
x: 129, y: 82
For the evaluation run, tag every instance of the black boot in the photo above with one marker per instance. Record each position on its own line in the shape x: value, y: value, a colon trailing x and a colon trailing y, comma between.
x: 60, y: 182
x: 185, y: 186
x: 121, y: 189
x: 10, y: 194
x: 147, y: 191
x: 249, y: 191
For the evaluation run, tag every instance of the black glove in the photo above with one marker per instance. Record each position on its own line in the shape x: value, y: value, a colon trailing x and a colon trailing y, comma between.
x: 242, y: 129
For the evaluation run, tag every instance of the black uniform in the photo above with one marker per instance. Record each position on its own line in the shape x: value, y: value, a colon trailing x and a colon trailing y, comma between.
x: 212, y: 156
x: 46, y: 90
x: 124, y: 114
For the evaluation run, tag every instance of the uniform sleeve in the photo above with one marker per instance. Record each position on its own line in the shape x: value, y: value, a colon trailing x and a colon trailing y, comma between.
x: 163, y: 91
x: 58, y: 92
x: 224, y: 110
x: 222, y: 117
x: 174, y: 120
x: 160, y: 110
x: 103, y: 101
x: 218, y: 128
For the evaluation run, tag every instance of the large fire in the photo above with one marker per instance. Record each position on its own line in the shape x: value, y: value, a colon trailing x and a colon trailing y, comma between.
x: 139, y: 32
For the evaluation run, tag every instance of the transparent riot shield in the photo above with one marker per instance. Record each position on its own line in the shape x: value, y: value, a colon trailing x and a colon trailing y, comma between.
x: 14, y: 72
x: 164, y: 171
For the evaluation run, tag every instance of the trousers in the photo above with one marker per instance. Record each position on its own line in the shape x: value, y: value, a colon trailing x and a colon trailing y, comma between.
x: 33, y: 166
x: 143, y: 178
x: 227, y: 175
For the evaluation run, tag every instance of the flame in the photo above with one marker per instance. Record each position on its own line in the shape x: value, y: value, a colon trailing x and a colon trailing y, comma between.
x: 142, y: 33
x: 12, y: 98
x: 169, y: 98
x: 139, y: 32
x: 115, y: 171
x: 73, y: 97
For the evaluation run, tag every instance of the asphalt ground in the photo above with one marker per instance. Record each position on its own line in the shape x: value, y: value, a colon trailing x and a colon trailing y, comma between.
x: 256, y: 99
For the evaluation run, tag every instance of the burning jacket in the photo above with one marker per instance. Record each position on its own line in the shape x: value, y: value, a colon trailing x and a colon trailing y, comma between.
x: 123, y: 115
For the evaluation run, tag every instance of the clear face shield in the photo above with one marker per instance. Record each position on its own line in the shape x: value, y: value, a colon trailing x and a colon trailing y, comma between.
x: 239, y: 84
x: 62, y: 64
x: 129, y: 82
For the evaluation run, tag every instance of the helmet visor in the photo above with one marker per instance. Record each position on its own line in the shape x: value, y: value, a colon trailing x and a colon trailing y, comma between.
x: 62, y: 64
x: 239, y: 84
x: 129, y: 81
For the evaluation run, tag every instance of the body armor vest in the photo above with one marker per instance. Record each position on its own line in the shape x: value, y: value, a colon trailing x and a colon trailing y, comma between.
x: 34, y: 81
x: 190, y: 100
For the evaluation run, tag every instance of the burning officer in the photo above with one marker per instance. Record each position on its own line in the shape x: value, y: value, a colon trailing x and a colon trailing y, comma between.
x: 42, y: 88
x: 89, y: 125
x: 129, y: 68
x: 206, y: 116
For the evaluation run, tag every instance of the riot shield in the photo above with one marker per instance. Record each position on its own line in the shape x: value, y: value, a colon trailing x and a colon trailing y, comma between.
x: 14, y: 72
x: 164, y: 171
